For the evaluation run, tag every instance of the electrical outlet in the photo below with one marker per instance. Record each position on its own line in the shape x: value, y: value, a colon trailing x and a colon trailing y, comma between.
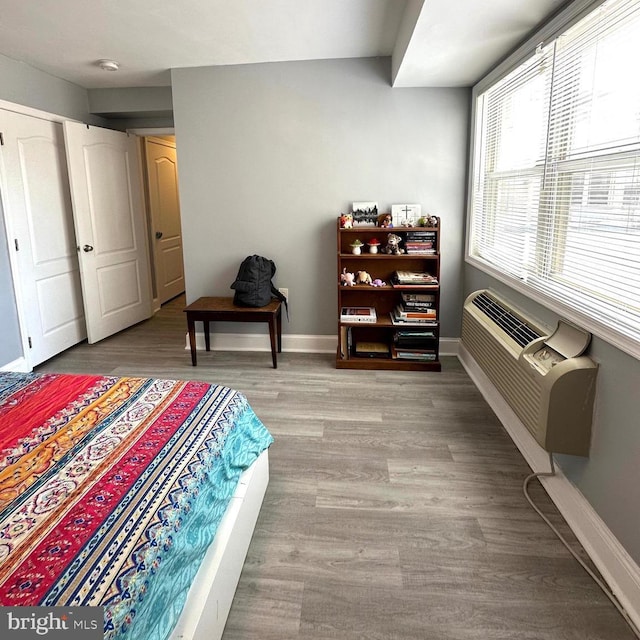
x: 284, y: 291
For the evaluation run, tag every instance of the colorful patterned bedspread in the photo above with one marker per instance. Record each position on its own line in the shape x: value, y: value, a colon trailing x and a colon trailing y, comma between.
x: 111, y: 490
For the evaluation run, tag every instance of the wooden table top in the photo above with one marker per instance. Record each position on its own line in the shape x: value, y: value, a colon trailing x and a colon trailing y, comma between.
x: 226, y: 304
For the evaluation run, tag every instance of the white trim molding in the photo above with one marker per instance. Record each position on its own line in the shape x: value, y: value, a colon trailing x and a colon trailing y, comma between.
x: 615, y: 565
x: 260, y: 342
x: 449, y: 346
x: 20, y: 364
x: 292, y: 343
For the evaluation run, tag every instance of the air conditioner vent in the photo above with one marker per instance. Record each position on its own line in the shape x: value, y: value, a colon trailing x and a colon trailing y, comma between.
x: 513, y: 326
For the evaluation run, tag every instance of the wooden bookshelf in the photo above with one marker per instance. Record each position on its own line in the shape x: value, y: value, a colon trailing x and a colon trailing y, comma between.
x: 356, y: 337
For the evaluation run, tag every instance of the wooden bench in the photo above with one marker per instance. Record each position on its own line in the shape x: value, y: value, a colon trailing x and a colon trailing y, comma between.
x: 223, y: 309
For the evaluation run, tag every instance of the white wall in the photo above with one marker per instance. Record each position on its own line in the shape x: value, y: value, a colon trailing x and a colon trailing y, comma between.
x: 271, y: 154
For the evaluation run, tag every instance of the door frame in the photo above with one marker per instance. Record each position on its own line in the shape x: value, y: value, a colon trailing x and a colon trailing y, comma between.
x: 23, y: 363
x: 150, y: 132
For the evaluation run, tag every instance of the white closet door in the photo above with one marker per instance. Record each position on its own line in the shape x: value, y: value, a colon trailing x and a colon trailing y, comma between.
x: 106, y: 193
x: 38, y: 208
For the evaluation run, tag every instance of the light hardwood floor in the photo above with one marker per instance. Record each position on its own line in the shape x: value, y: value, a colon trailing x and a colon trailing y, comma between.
x: 394, y: 511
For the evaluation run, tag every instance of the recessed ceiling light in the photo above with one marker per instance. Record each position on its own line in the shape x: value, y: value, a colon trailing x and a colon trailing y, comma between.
x: 108, y: 65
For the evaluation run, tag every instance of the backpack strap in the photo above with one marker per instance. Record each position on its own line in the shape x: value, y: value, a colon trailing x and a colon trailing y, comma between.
x: 278, y: 294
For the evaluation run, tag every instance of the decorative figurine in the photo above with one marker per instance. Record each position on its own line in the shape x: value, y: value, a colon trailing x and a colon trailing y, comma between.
x: 356, y: 247
x: 393, y: 245
x: 362, y: 277
x: 374, y: 243
x: 346, y: 221
x: 384, y: 221
x: 347, y: 278
x: 428, y: 221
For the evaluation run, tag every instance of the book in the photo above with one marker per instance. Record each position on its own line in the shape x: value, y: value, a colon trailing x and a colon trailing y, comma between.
x: 414, y: 278
x: 372, y: 350
x: 429, y: 314
x: 426, y: 244
x: 420, y: 233
x: 425, y: 340
x: 397, y: 320
x: 418, y: 306
x: 418, y: 299
x: 422, y: 355
x: 343, y: 342
x: 414, y: 335
x: 358, y: 314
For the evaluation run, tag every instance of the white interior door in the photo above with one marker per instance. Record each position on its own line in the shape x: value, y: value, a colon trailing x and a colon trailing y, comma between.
x: 104, y: 173
x: 38, y: 208
x: 164, y: 207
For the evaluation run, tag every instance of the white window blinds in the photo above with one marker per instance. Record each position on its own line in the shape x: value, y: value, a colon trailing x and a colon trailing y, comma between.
x: 556, y: 176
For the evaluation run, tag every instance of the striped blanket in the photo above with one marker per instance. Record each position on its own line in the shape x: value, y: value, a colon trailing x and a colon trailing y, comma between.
x: 112, y: 488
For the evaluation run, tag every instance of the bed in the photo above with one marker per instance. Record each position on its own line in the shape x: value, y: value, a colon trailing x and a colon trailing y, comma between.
x: 135, y: 494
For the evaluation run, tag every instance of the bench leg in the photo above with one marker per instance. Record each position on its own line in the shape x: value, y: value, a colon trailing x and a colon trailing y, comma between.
x: 191, y: 325
x: 279, y: 324
x: 272, y: 337
x: 207, y: 337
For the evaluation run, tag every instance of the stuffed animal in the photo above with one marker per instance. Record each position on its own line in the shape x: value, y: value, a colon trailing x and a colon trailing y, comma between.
x: 384, y: 220
x: 346, y: 221
x: 378, y: 283
x: 362, y: 277
x: 428, y: 221
x: 393, y: 245
x: 347, y: 278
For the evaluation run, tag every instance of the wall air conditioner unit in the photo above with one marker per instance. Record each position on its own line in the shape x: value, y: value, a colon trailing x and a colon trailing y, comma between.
x: 545, y: 379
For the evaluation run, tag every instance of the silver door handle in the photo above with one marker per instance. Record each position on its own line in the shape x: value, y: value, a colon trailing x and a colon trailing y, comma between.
x: 87, y: 248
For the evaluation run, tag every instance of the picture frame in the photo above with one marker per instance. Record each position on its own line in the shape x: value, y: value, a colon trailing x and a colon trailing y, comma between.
x: 405, y: 215
x: 365, y: 212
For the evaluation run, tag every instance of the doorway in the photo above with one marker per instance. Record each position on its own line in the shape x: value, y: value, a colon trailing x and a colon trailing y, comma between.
x: 163, y: 217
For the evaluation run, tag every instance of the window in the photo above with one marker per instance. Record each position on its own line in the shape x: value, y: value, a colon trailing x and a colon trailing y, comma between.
x: 555, y: 198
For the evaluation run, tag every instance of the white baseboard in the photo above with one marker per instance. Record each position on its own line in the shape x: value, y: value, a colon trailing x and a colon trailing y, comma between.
x: 616, y: 566
x: 449, y: 346
x: 293, y: 343
x: 260, y: 342
x: 21, y: 365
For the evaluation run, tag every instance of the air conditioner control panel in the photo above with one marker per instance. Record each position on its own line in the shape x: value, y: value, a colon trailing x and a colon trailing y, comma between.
x: 546, y: 358
x: 565, y: 343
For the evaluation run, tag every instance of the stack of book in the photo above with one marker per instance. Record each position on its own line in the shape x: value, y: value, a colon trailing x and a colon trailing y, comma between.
x: 413, y: 279
x: 415, y: 308
x: 358, y: 314
x: 420, y: 242
x: 415, y: 318
x: 415, y: 345
x: 419, y: 302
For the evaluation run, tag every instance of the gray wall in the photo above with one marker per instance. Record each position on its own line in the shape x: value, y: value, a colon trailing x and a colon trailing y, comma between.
x: 270, y: 154
x: 610, y: 478
x: 30, y: 87
x: 24, y: 85
x: 133, y: 108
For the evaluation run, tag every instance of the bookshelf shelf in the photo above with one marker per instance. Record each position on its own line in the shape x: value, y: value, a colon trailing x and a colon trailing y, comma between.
x: 360, y: 343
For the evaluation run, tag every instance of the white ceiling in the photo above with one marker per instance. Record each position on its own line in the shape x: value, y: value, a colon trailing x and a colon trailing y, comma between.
x: 434, y: 43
